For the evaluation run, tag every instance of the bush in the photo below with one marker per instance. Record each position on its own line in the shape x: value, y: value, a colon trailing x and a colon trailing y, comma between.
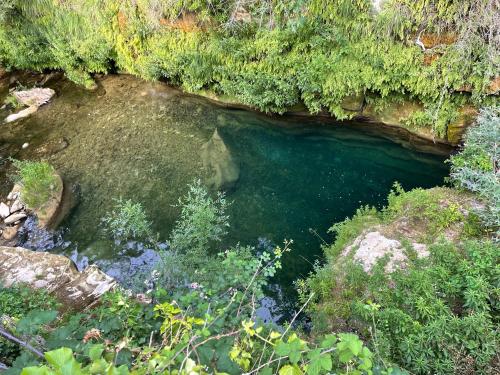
x: 128, y: 221
x: 476, y: 168
x: 203, y: 221
x: 38, y: 182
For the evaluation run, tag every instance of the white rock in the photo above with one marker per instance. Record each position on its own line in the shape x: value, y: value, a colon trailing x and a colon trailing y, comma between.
x: 16, y: 206
x: 4, y: 210
x: 369, y: 247
x: 21, y: 114
x: 25, y: 145
x: 15, y: 217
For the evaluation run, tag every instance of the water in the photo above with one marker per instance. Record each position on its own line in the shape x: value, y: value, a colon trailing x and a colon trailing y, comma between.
x: 143, y: 141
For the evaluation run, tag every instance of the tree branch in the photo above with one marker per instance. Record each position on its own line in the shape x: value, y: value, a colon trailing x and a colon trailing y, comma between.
x: 20, y: 342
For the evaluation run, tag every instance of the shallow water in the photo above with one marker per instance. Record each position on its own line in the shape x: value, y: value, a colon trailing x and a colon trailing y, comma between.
x: 142, y: 141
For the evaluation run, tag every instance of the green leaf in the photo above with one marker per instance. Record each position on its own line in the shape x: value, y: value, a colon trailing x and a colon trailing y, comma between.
x: 282, y: 349
x: 290, y: 370
x: 58, y: 358
x: 36, y: 371
x: 95, y: 352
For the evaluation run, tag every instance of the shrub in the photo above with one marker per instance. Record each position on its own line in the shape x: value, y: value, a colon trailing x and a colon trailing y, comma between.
x: 38, y: 182
x: 203, y: 221
x: 128, y: 221
x: 476, y: 168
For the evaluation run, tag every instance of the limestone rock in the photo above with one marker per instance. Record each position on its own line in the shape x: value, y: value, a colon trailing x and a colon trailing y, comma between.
x: 34, y: 97
x: 217, y: 157
x: 14, y: 217
x: 4, y: 210
x: 87, y: 287
x: 54, y: 273
x: 36, y: 269
x: 9, y: 233
x: 457, y: 128
x: 353, y: 103
x: 369, y: 247
x: 16, y: 206
x: 48, y: 213
x: 21, y: 114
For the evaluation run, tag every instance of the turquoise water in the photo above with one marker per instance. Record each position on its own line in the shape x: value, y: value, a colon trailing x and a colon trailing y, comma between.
x: 143, y: 141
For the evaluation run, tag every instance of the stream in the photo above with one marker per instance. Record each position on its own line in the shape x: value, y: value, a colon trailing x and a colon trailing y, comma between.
x: 145, y: 141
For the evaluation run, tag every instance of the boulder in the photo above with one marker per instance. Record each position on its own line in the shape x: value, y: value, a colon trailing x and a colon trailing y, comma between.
x: 34, y: 97
x: 217, y: 158
x: 48, y: 214
x: 54, y: 273
x: 371, y: 246
x: 21, y: 114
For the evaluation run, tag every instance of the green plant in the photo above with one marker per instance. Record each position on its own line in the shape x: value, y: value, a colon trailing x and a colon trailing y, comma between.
x: 38, y: 182
x: 128, y: 221
x: 202, y: 221
x: 476, y: 168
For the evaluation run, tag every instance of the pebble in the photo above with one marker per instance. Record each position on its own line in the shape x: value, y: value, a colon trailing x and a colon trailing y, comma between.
x: 25, y: 145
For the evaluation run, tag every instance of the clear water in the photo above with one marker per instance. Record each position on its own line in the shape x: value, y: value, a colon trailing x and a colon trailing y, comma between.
x: 142, y: 141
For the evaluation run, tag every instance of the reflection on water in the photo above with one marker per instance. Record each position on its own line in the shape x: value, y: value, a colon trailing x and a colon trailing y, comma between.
x: 143, y: 141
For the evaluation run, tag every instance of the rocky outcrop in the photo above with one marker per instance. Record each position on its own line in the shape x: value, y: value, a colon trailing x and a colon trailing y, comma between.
x: 54, y: 273
x: 217, y: 158
x: 371, y: 246
x: 33, y: 99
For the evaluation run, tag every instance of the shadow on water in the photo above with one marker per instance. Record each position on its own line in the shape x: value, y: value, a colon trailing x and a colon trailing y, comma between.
x: 142, y: 141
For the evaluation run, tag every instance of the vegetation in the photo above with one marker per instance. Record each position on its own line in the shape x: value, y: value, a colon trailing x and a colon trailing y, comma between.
x: 38, y: 182
x: 437, y: 313
x: 272, y: 55
x: 477, y: 167
x: 127, y: 221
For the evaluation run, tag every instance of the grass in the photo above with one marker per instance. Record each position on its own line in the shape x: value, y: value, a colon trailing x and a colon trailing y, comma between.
x: 37, y: 180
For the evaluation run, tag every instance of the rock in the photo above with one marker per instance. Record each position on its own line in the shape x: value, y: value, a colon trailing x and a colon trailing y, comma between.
x: 21, y: 114
x: 353, y: 103
x: 48, y: 214
x: 25, y: 145
x: 9, y: 233
x: 369, y: 247
x: 217, y: 157
x: 4, y: 210
x: 87, y: 287
x: 15, y: 217
x: 34, y: 97
x: 457, y: 128
x: 393, y: 113
x: 16, y: 206
x: 54, y: 273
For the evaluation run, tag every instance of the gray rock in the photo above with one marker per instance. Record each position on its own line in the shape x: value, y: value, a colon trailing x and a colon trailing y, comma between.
x: 16, y: 206
x: 15, y: 217
x: 54, y: 273
x: 4, y: 210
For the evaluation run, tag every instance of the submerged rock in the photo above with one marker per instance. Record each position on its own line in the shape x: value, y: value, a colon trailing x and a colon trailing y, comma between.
x: 33, y: 99
x: 217, y: 158
x: 54, y: 273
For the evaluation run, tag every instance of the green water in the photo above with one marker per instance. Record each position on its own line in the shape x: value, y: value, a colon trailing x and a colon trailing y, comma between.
x: 143, y: 141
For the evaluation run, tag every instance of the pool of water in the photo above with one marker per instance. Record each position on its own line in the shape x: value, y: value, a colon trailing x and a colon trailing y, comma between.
x: 144, y: 141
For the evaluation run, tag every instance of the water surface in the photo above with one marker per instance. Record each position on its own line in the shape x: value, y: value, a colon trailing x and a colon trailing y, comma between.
x: 143, y: 141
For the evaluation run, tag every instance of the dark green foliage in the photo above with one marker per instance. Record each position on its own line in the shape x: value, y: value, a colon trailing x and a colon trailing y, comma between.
x: 269, y: 55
